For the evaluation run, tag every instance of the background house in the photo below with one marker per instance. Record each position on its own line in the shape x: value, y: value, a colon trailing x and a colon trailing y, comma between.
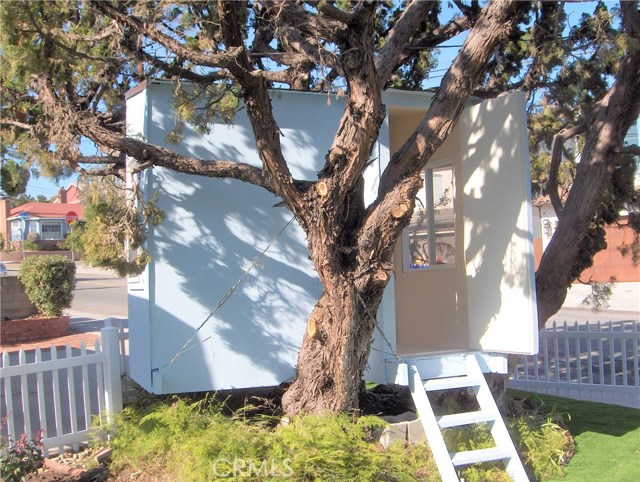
x: 47, y: 220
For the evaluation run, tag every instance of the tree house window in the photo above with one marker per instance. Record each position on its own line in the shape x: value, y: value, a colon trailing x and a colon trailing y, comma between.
x: 430, y: 238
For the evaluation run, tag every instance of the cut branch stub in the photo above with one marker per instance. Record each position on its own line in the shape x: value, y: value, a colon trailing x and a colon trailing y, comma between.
x: 381, y: 276
x: 322, y: 188
x: 311, y: 327
x: 400, y: 210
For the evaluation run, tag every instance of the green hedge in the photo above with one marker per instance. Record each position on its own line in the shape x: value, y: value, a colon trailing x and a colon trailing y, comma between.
x: 49, y: 282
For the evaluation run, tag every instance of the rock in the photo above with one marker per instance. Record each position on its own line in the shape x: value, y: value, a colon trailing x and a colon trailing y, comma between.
x: 415, y: 432
x: 102, y: 456
x: 392, y: 433
x: 403, y: 417
x: 405, y: 427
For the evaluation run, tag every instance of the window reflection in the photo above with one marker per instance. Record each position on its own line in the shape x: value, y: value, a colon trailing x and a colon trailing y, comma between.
x: 431, y: 232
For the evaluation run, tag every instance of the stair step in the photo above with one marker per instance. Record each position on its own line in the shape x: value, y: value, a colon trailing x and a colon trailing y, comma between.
x: 482, y: 455
x: 466, y: 418
x: 446, y: 461
x: 450, y: 383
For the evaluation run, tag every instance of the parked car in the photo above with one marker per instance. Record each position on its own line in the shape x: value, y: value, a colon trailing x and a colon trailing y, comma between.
x: 3, y: 269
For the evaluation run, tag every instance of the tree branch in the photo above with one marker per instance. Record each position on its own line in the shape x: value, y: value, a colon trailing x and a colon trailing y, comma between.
x: 87, y: 125
x: 217, y: 59
x: 99, y: 159
x: 259, y: 110
x: 15, y: 123
x: 495, y: 22
x: 306, y: 22
x: 556, y: 160
x: 433, y: 38
x: 633, y: 149
x: 329, y: 10
x: 399, y: 36
x: 173, y: 69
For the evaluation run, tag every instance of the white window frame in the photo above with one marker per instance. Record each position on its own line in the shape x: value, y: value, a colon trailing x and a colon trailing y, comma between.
x: 427, y: 178
x: 50, y: 222
x: 15, y: 233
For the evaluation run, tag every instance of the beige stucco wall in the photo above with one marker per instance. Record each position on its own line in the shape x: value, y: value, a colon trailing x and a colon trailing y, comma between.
x: 431, y: 312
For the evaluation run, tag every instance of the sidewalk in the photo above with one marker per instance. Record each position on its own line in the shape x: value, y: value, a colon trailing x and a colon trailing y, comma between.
x: 625, y: 297
x: 75, y: 340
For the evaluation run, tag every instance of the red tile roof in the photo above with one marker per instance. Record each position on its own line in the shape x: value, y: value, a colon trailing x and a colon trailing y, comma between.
x: 48, y: 210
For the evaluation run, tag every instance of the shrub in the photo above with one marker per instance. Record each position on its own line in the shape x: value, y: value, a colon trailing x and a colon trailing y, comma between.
x: 49, y: 282
x: 542, y: 439
x: 192, y: 442
x: 52, y: 247
x: 31, y: 245
x: 21, y: 458
x: 74, y: 240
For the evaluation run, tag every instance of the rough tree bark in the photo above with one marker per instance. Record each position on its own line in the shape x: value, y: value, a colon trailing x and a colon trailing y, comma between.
x: 352, y: 248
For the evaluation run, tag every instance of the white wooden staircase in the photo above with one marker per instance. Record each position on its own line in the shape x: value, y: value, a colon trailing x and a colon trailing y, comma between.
x: 447, y: 462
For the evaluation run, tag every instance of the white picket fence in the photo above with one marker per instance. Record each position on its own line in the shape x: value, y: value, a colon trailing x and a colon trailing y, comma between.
x: 123, y: 341
x: 61, y: 391
x: 598, y: 362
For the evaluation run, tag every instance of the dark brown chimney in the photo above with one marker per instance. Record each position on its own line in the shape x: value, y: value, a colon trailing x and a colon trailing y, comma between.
x: 62, y: 195
x: 5, y: 211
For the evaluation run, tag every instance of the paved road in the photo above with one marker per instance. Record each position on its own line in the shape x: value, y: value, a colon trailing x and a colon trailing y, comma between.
x: 98, y: 294
x: 624, y: 305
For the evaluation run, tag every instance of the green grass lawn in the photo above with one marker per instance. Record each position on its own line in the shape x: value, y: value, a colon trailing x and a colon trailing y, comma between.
x: 607, y: 441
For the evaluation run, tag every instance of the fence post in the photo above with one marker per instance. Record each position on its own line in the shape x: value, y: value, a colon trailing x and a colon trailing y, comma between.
x: 113, y: 384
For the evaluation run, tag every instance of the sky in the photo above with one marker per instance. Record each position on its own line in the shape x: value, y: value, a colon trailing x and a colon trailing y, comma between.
x: 448, y: 50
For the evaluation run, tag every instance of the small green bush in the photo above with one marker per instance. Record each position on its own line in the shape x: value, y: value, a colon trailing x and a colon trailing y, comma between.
x: 542, y: 439
x: 49, y: 282
x: 29, y: 245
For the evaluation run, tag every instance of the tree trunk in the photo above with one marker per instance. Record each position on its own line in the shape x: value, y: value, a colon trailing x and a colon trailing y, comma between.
x: 334, y: 353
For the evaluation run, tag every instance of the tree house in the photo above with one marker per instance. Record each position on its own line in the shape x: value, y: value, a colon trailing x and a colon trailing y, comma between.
x: 464, y: 270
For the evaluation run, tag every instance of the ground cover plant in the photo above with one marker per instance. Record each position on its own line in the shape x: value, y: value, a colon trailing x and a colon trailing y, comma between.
x: 607, y: 441
x: 197, y: 441
x: 185, y: 440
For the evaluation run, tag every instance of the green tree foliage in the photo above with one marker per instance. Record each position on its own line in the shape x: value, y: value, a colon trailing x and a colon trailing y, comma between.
x: 27, y: 198
x: 112, y: 235
x: 49, y: 282
x: 13, y: 177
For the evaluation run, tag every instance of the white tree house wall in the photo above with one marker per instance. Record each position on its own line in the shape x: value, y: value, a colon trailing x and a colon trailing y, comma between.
x: 214, y: 229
